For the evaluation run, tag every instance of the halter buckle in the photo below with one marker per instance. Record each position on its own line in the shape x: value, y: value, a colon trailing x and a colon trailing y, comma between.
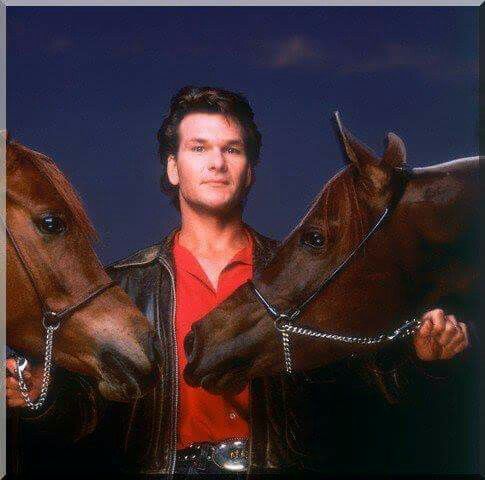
x: 51, y: 319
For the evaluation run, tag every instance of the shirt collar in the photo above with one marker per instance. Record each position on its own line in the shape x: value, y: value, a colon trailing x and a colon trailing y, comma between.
x: 186, y: 260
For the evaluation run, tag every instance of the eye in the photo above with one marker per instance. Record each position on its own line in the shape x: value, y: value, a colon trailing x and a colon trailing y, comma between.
x: 234, y: 150
x: 313, y: 238
x: 198, y: 148
x: 51, y: 224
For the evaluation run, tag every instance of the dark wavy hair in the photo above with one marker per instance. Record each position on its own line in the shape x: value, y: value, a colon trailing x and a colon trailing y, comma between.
x: 191, y: 99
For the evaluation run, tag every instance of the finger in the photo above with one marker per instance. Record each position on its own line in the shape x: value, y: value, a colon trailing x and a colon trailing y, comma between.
x: 17, y: 399
x: 460, y: 347
x: 464, y: 329
x: 453, y: 349
x: 454, y: 342
x: 437, y: 318
x: 450, y: 333
x: 452, y: 319
x: 12, y: 383
x: 16, y: 403
x: 426, y: 328
x: 12, y: 393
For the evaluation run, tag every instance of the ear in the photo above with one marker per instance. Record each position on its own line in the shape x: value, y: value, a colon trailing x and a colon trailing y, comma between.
x: 367, y: 163
x: 5, y: 141
x: 172, y: 170
x: 249, y: 176
x: 5, y: 136
x: 395, y: 151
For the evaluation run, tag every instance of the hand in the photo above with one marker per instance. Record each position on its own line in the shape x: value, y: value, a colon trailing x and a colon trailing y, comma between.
x: 33, y: 378
x: 440, y: 336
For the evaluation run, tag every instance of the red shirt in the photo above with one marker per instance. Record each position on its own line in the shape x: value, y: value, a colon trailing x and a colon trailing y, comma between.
x: 203, y: 416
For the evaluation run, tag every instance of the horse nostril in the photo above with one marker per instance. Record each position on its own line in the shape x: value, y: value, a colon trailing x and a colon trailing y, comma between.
x: 189, y: 345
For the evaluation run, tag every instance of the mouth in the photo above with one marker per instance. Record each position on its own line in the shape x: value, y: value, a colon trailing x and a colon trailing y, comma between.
x: 217, y: 183
x: 120, y: 382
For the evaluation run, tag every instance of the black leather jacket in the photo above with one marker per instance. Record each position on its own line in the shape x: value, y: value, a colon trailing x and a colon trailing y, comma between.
x: 148, y: 277
x: 322, y: 420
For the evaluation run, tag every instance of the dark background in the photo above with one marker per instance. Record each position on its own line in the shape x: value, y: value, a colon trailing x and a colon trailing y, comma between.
x: 89, y: 87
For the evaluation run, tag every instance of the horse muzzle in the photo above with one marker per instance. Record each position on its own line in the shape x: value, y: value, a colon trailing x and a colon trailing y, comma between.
x: 127, y: 375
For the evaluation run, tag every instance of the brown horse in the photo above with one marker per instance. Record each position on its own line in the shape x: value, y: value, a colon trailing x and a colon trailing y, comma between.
x: 51, y: 267
x: 423, y: 255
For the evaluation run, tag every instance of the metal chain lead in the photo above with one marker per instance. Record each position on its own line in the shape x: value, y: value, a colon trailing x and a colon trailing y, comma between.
x: 405, y: 330
x: 286, y: 350
x: 24, y: 388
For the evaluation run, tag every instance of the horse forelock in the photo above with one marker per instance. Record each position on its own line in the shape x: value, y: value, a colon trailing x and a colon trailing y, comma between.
x: 341, y: 215
x: 51, y: 172
x: 336, y: 207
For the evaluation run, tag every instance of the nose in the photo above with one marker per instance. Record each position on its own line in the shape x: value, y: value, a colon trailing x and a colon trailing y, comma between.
x: 134, y: 367
x: 217, y: 161
x: 189, y: 346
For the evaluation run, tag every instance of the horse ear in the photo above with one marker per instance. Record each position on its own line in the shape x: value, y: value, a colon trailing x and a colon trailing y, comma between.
x: 5, y: 136
x: 368, y: 164
x: 395, y: 151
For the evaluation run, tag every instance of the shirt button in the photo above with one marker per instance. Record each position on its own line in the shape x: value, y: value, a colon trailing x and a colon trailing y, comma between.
x: 232, y: 416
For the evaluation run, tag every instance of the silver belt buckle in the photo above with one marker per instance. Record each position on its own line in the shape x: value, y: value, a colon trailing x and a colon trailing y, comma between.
x: 231, y: 455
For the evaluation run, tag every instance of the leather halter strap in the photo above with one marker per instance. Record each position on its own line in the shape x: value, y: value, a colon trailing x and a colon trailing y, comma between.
x: 51, y: 321
x: 50, y: 317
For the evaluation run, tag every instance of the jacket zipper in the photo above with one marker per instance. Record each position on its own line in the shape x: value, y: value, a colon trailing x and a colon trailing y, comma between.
x: 175, y: 392
x: 250, y: 439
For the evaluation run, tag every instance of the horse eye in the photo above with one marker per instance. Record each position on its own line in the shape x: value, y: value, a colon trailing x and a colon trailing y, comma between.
x: 52, y: 224
x: 313, y: 238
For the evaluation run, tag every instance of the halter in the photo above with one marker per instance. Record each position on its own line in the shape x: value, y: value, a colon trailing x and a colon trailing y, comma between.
x: 51, y: 321
x: 284, y: 321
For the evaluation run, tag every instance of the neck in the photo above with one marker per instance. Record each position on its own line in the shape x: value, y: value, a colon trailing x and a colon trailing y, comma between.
x: 208, y: 234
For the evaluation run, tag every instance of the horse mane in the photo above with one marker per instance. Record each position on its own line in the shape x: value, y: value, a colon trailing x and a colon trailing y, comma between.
x: 49, y: 170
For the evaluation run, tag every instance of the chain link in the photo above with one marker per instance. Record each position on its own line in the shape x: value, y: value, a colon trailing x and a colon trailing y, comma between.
x: 24, y: 388
x: 286, y: 350
x: 405, y: 330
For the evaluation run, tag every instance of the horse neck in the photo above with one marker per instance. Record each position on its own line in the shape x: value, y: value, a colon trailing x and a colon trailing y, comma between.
x: 438, y: 221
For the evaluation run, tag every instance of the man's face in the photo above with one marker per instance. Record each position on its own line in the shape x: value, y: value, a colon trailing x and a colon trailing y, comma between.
x: 211, y: 167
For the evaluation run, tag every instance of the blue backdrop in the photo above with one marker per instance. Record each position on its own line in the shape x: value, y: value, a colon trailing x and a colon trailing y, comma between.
x: 89, y: 87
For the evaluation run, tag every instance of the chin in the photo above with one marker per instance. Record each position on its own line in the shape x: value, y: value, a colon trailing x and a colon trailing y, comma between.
x: 216, y: 206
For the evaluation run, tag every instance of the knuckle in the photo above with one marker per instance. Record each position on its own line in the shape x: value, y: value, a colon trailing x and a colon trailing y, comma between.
x: 439, y: 327
x: 10, y: 362
x: 443, y: 341
x: 12, y: 382
x: 449, y: 327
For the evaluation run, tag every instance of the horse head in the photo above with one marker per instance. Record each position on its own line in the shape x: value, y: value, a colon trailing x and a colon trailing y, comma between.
x: 423, y: 256
x: 51, y: 266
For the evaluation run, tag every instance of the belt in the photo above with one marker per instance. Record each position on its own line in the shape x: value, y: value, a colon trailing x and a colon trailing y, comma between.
x: 227, y: 456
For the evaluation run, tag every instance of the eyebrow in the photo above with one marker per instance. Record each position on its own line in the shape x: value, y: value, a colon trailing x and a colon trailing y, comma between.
x: 203, y: 140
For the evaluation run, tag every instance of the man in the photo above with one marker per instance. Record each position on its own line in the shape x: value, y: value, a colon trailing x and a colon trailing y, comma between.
x: 209, y: 147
